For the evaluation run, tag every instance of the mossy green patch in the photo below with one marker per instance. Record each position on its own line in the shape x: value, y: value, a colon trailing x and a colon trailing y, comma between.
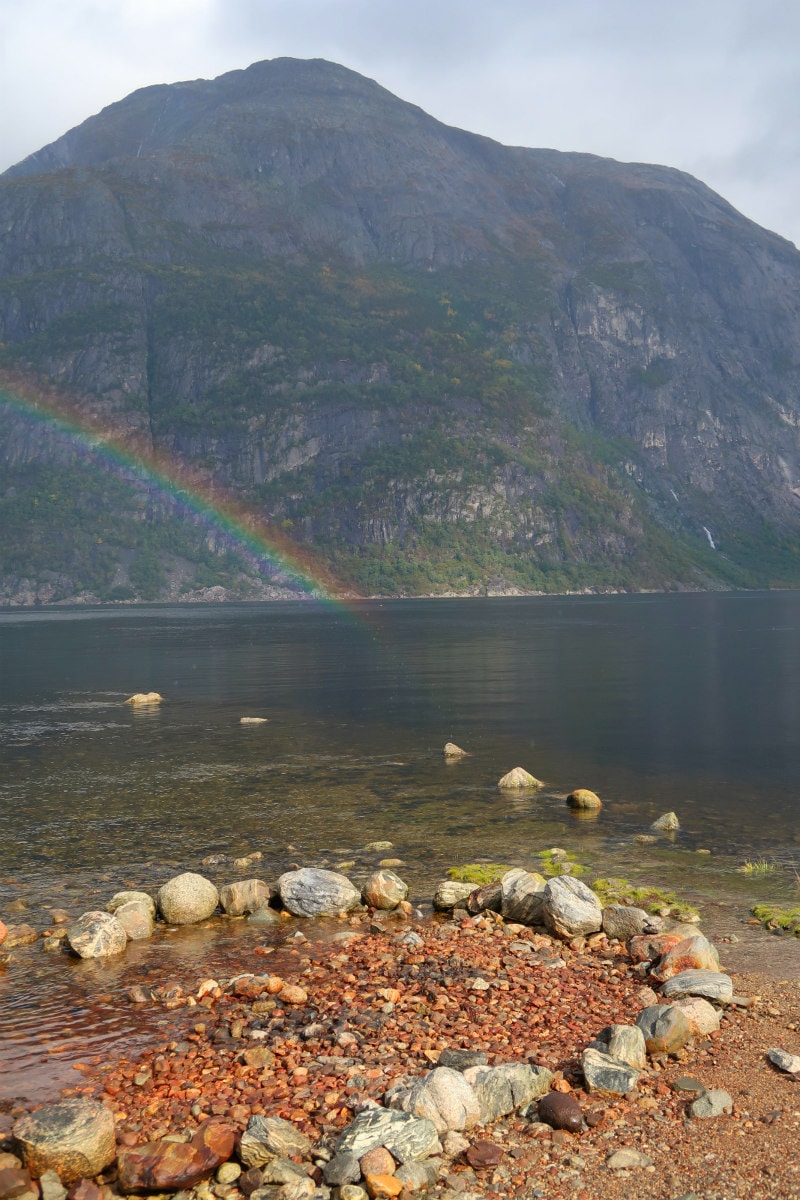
x: 778, y: 918
x: 652, y: 899
x: 560, y: 864
x: 478, y: 873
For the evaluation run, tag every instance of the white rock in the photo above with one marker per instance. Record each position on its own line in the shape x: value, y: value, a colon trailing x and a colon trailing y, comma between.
x: 188, y: 898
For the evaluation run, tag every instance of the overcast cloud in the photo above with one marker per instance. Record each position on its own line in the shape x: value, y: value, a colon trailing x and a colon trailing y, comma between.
x: 710, y: 86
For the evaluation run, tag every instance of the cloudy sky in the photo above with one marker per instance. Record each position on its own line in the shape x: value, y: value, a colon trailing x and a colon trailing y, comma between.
x: 710, y: 86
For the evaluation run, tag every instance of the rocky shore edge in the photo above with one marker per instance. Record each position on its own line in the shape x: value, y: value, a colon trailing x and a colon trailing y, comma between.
x: 504, y: 1048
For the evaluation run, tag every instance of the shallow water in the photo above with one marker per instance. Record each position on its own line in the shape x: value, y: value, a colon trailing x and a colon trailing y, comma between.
x: 688, y: 703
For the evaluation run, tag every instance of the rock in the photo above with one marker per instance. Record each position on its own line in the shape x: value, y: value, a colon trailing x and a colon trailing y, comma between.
x: 250, y: 1181
x: 506, y: 1087
x: 188, y: 898
x: 405, y: 1136
x: 342, y: 1168
x: 97, y: 935
x: 703, y: 1018
x: 313, y: 892
x: 519, y: 778
x: 229, y: 1172
x: 626, y: 1044
x: 628, y: 1160
x: 51, y: 1186
x: 244, y: 896
x: 267, y: 1138
x: 451, y: 893
x: 264, y: 916
x: 665, y: 1027
x: 3, y: 932
x: 692, y: 953
x: 522, y: 896
x: 443, y: 1096
x: 459, y: 1059
x: 560, y: 1110
x: 377, y: 847
x: 351, y: 1191
x: 414, y: 1177
x: 454, y: 1144
x: 293, y: 994
x: 19, y: 935
x: 784, y: 1060
x: 488, y: 898
x: 384, y: 890
x: 570, y: 908
x: 711, y: 984
x: 583, y: 798
x: 483, y: 1154
x: 383, y: 1187
x: 712, y: 1103
x: 131, y: 897
x: 282, y: 1170
x: 623, y: 921
x: 144, y: 698
x: 377, y: 1162
x: 253, y: 720
x: 167, y: 1166
x: 75, y: 1138
x: 451, y: 750
x: 16, y: 1184
x: 606, y: 1074
x: 258, y: 1056
x: 666, y: 823
x: 136, y: 919
x: 649, y: 947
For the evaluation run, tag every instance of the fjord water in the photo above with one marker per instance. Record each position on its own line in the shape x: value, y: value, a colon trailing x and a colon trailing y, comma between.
x: 686, y: 702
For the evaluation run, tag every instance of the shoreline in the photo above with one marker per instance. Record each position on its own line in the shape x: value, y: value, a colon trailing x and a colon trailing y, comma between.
x: 377, y: 1004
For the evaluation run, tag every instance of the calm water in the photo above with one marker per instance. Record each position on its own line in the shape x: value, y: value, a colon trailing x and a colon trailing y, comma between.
x: 689, y: 703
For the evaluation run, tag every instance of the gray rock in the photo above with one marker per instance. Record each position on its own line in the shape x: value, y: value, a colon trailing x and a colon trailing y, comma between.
x: 384, y: 890
x: 666, y: 823
x: 51, y: 1186
x: 506, y: 1087
x: 522, y: 896
x: 120, y: 898
x: 712, y: 1103
x: 137, y: 919
x: 187, y: 898
x: 313, y: 892
x: 459, y: 1060
x: 518, y: 777
x: 487, y: 898
x: 570, y: 908
x: 623, y: 921
x: 626, y: 1044
x: 264, y: 916
x: 407, y: 1137
x: 244, y: 896
x: 451, y: 893
x: 415, y: 1177
x: 443, y: 1096
x: 97, y: 935
x: 665, y: 1027
x: 606, y: 1074
x: 627, y: 1160
x: 711, y: 984
x: 784, y: 1060
x: 279, y: 1138
x: 75, y: 1138
x: 282, y: 1170
x: 341, y: 1169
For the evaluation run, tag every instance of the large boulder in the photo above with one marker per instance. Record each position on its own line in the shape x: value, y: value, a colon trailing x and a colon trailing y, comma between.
x: 137, y: 919
x: 647, y: 947
x: 244, y: 896
x: 506, y: 1087
x: 451, y: 893
x: 75, y: 1138
x: 665, y: 1027
x: 384, y: 890
x: 407, y: 1137
x: 570, y: 908
x: 693, y: 953
x: 131, y: 897
x: 603, y: 1073
x: 700, y: 1013
x: 623, y: 921
x: 522, y: 896
x: 518, y: 777
x: 97, y: 935
x: 313, y: 892
x: 188, y: 898
x: 443, y: 1096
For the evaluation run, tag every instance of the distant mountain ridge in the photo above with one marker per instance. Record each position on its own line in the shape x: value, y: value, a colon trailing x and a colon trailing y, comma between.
x: 442, y: 363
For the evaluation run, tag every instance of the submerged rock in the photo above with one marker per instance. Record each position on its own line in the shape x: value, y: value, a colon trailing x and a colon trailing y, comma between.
x: 313, y: 892
x: 583, y: 798
x: 187, y: 898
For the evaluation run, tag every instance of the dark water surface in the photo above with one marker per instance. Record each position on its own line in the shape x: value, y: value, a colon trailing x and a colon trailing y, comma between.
x: 689, y: 703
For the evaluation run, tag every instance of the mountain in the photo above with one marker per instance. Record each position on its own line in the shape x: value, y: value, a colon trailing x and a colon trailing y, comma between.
x: 433, y: 362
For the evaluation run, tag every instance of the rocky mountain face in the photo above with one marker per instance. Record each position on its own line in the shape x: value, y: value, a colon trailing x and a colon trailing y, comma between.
x: 441, y: 363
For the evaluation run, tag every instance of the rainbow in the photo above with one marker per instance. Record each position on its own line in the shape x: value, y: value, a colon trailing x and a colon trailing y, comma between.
x: 184, y: 488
